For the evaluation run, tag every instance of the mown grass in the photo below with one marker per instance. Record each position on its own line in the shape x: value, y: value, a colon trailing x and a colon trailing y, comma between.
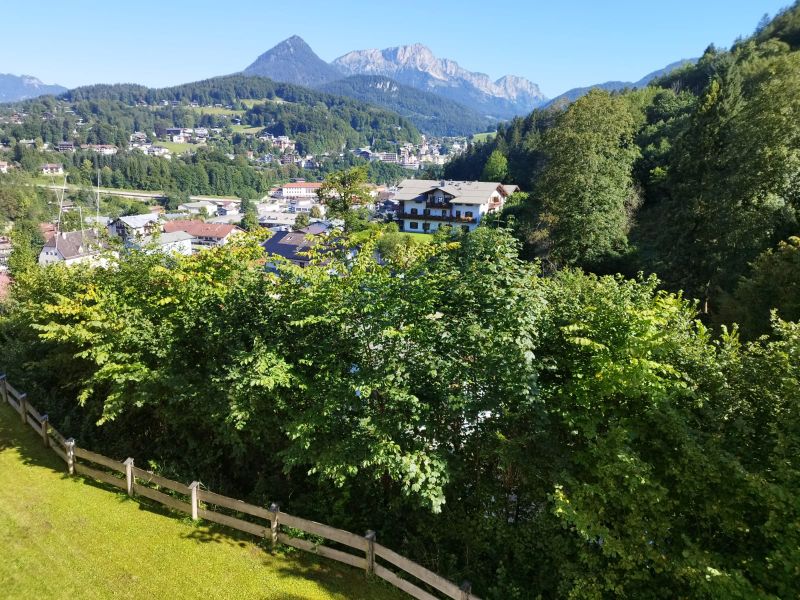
x: 483, y: 137
x: 63, y: 537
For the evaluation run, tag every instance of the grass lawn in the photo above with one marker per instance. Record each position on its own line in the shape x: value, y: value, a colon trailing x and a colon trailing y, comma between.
x: 216, y: 110
x: 177, y: 148
x: 63, y: 537
x: 245, y: 129
x: 483, y: 137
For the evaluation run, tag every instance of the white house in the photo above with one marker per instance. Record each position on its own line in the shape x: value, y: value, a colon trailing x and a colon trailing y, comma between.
x: 3, y: 166
x: 52, y: 169
x: 133, y: 227
x: 175, y: 242
x: 204, y: 234
x: 304, y: 205
x: 426, y: 205
x: 202, y: 207
x: 300, y: 189
x: 72, y: 248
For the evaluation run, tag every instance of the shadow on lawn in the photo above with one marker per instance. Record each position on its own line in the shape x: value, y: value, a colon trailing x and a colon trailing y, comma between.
x: 338, y: 580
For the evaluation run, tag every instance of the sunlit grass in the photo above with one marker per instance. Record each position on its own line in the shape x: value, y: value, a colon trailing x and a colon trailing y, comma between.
x: 63, y: 537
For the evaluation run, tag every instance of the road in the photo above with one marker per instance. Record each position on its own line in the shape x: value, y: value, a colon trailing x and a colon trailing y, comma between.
x: 137, y: 195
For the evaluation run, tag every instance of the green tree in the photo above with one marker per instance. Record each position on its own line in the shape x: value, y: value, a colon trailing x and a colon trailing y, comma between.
x: 342, y: 190
x: 586, y: 190
x: 301, y: 220
x: 316, y: 212
x: 496, y: 167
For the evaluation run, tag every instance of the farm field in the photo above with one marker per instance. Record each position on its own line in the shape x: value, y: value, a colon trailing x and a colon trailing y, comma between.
x: 63, y: 537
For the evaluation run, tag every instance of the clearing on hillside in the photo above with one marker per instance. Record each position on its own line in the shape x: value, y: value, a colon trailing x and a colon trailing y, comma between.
x: 63, y: 537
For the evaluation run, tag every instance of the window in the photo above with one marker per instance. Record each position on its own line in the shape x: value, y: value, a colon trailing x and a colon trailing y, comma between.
x: 413, y: 211
x: 426, y: 212
x: 458, y: 213
x: 444, y: 213
x: 468, y: 214
x: 426, y: 226
x: 413, y: 225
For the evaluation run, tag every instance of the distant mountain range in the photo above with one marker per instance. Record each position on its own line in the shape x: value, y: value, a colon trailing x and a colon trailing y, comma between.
x: 613, y: 86
x: 406, y: 79
x: 22, y: 87
x: 416, y: 66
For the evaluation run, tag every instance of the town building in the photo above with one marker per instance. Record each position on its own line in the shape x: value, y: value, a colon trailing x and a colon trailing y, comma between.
x: 201, y: 207
x: 52, y: 169
x: 3, y: 166
x: 175, y: 242
x: 204, y: 234
x: 104, y: 149
x: 66, y: 147
x: 134, y: 227
x: 294, y: 245
x: 72, y: 248
x: 299, y: 189
x: 426, y: 205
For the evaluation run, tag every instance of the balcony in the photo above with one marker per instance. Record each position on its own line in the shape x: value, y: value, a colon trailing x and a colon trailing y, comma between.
x: 446, y: 218
x: 438, y: 204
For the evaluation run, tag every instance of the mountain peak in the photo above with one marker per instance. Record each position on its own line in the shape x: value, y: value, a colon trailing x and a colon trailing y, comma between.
x: 293, y: 61
x: 21, y: 87
x: 417, y: 66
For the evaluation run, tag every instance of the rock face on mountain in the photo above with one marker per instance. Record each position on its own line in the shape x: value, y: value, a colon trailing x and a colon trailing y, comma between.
x: 613, y: 86
x: 21, y: 87
x: 418, y: 67
x: 293, y: 61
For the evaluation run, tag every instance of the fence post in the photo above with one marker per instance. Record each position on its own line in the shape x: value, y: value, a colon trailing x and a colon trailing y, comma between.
x: 70, y: 444
x: 129, y: 474
x: 370, y: 537
x: 45, y: 428
x: 194, y: 487
x: 275, y: 509
x: 5, y: 388
x: 23, y: 407
x: 466, y: 590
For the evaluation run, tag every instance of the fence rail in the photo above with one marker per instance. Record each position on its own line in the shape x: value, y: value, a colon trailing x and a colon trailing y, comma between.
x: 197, y: 502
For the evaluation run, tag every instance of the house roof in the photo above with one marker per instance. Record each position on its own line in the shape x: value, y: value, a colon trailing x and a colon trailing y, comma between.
x: 168, y: 238
x: 139, y: 221
x: 306, y: 184
x: 199, y: 229
x: 289, y: 244
x: 74, y: 244
x: 464, y: 192
x: 199, y: 204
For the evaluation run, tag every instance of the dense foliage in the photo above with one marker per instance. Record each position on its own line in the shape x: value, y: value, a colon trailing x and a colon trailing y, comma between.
x: 567, y: 436
x: 691, y: 179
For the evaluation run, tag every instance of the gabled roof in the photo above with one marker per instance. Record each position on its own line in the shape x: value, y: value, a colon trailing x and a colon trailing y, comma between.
x: 139, y: 221
x: 289, y: 244
x: 168, y: 238
x: 463, y: 192
x: 74, y: 244
x: 200, y: 229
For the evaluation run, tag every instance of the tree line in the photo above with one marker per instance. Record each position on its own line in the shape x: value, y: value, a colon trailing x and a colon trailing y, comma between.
x: 693, y: 178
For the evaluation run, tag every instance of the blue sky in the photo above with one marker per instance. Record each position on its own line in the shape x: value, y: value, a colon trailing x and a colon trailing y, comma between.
x: 558, y: 44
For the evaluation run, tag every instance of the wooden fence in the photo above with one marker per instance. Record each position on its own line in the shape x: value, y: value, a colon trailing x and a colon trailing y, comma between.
x: 236, y: 514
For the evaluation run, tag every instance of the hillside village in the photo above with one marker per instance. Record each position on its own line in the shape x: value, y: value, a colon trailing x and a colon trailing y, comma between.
x: 417, y: 206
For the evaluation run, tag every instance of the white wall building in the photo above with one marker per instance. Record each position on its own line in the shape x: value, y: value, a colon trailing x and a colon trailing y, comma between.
x: 426, y: 205
x: 300, y: 189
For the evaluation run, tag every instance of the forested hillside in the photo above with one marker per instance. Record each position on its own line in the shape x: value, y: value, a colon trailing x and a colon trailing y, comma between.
x: 429, y: 112
x: 319, y: 122
x: 694, y: 179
